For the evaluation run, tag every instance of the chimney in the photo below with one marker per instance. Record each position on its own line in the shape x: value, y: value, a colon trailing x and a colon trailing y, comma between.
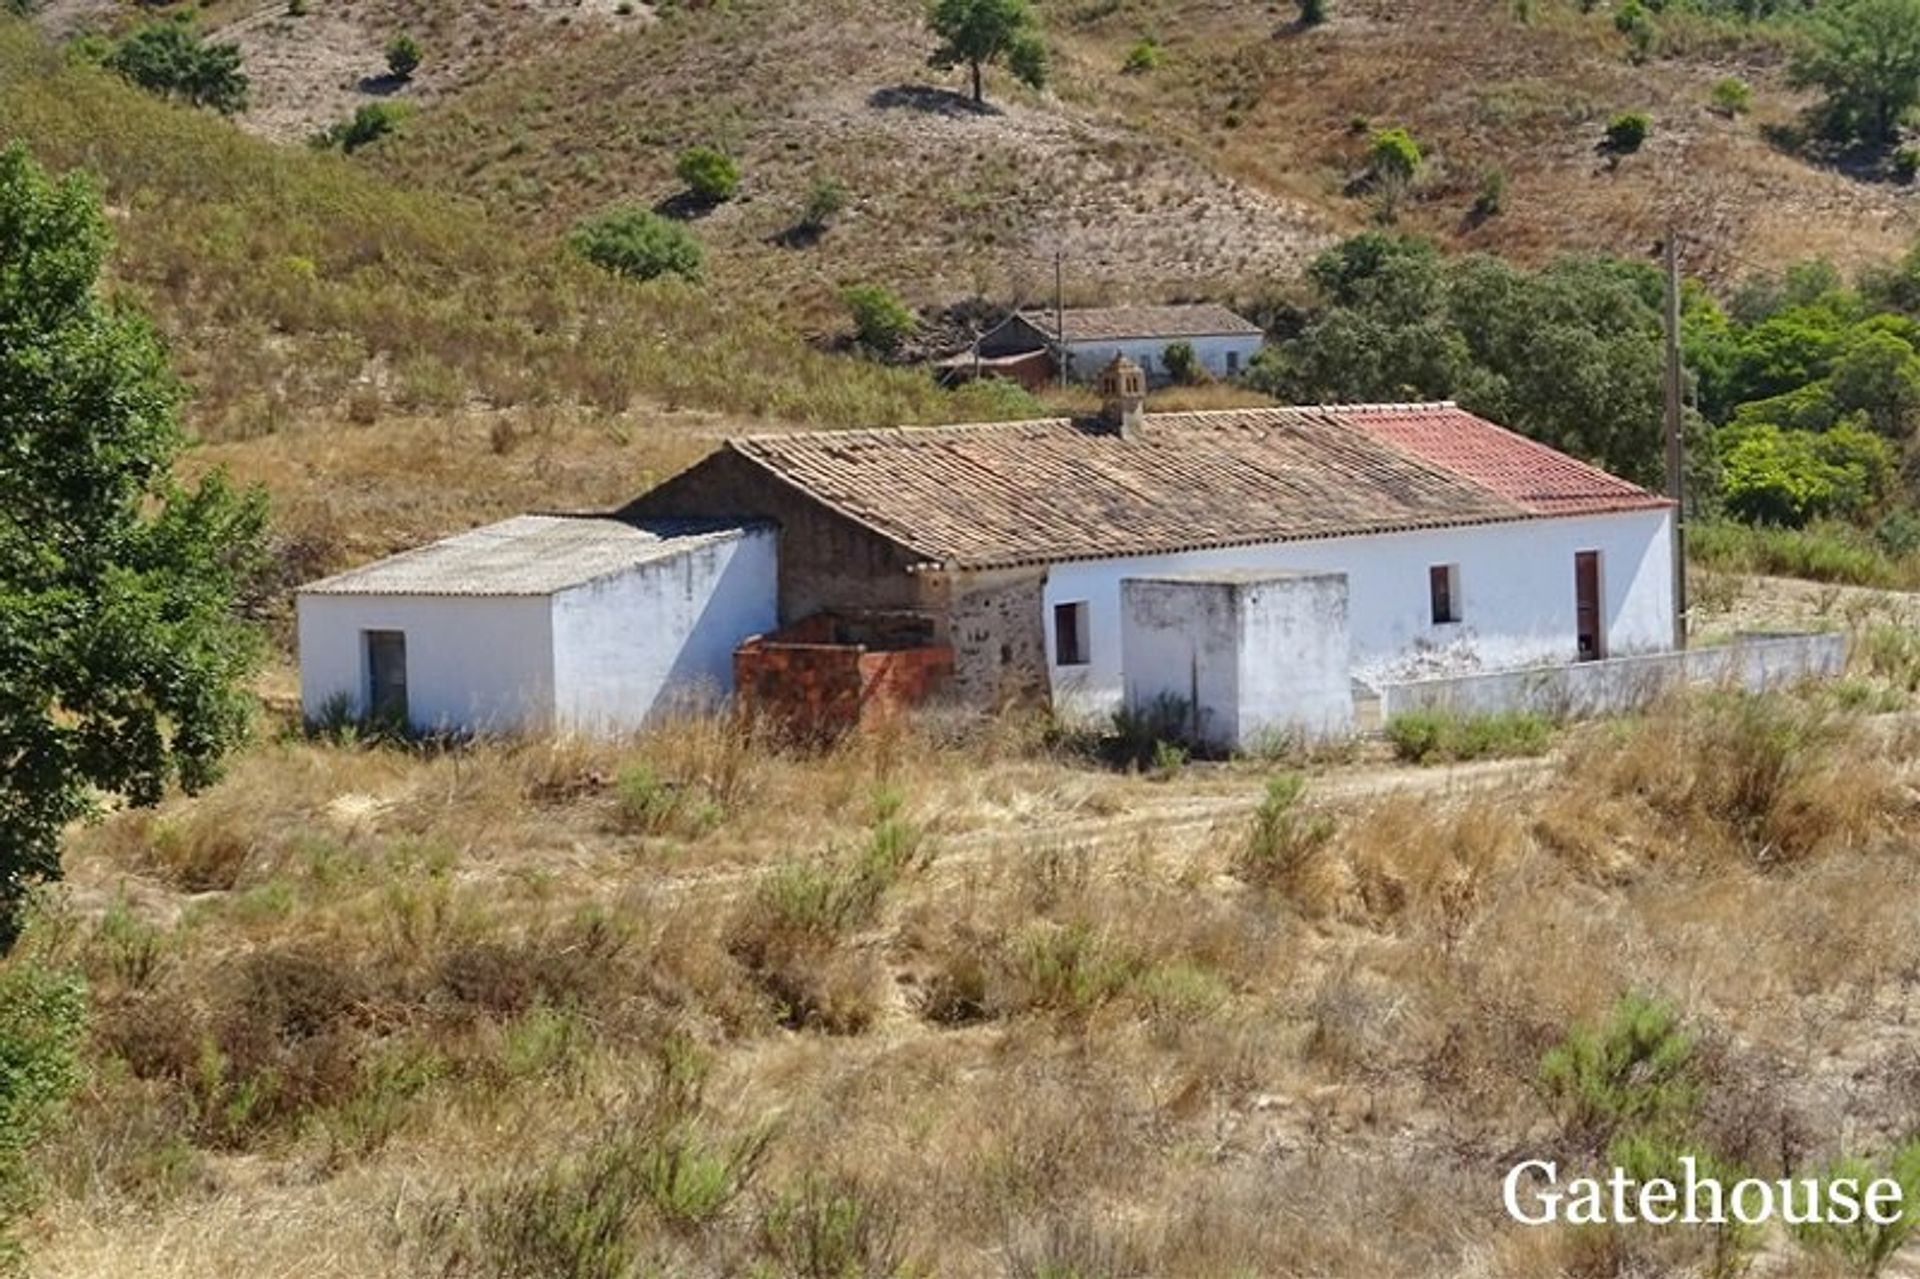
x: 1123, y: 397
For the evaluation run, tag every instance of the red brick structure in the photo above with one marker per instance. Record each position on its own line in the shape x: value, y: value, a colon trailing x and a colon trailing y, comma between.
x: 827, y: 675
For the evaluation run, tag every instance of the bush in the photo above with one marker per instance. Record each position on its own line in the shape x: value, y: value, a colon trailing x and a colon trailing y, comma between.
x: 168, y: 58
x: 1427, y: 737
x: 1771, y: 476
x: 1146, y: 55
x: 403, y: 56
x: 1313, y: 12
x: 881, y: 321
x: 1393, y: 162
x: 1732, y: 96
x: 826, y: 198
x: 1282, y: 839
x: 1183, y: 364
x: 1824, y: 551
x: 639, y: 244
x: 1866, y: 1245
x: 1491, y: 200
x: 1906, y: 163
x: 42, y: 1019
x: 710, y: 174
x: 1633, y: 1074
x: 1635, y: 22
x: 371, y: 122
x: 1627, y: 131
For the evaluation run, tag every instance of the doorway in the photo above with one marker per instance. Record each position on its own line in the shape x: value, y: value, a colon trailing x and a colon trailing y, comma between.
x: 1590, y: 632
x: 387, y: 676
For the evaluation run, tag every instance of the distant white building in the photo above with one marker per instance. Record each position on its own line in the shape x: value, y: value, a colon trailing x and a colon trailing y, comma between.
x: 571, y: 623
x: 1086, y: 340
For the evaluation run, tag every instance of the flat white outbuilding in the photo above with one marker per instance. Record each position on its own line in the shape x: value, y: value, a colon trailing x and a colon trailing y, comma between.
x: 592, y: 624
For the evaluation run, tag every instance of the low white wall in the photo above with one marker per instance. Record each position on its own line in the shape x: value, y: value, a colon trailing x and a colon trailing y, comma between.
x: 1516, y: 597
x: 661, y: 635
x: 1086, y: 359
x: 1752, y: 662
x: 474, y: 663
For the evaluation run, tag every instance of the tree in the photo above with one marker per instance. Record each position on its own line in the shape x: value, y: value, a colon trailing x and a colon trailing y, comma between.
x: 1865, y: 55
x: 978, y: 32
x: 168, y: 58
x: 1393, y: 162
x: 710, y: 173
x: 121, y: 659
x: 404, y: 56
x: 1183, y: 364
x: 639, y: 244
x: 881, y: 321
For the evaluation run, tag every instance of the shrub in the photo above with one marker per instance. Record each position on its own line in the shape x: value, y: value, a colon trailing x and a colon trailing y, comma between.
x: 825, y: 1228
x: 1491, y: 200
x: 1282, y: 839
x: 1426, y: 737
x: 1906, y: 163
x: 170, y: 59
x: 1866, y: 1245
x: 1313, y: 12
x: 1634, y: 1073
x: 1634, y: 21
x: 639, y: 244
x: 881, y: 321
x: 42, y: 1019
x: 403, y: 56
x: 1183, y: 364
x: 1393, y: 162
x: 371, y: 122
x: 710, y: 174
x: 826, y: 198
x: 1732, y: 96
x: 1627, y: 131
x: 1146, y: 55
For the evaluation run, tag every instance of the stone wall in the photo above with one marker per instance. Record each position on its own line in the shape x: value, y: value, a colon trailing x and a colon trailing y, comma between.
x: 994, y: 623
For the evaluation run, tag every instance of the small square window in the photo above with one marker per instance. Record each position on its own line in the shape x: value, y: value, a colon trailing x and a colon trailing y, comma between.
x: 1443, y: 589
x: 1070, y: 634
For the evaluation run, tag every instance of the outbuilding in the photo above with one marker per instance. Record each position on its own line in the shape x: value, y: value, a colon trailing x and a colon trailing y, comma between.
x: 1085, y: 340
x: 594, y: 624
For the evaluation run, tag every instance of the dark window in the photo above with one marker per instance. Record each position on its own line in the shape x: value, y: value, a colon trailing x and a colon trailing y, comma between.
x: 387, y: 675
x: 1233, y: 363
x: 1443, y: 587
x: 1070, y: 634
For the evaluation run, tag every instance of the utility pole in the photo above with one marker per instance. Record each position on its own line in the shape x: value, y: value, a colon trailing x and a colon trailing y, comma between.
x: 1676, y: 446
x: 1060, y: 310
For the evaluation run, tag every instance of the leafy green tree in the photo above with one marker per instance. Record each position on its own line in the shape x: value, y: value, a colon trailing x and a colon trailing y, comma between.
x: 881, y: 321
x: 1183, y: 364
x: 639, y: 244
x: 404, y: 56
x: 974, y: 33
x: 710, y: 173
x: 1865, y: 56
x: 1789, y: 477
x: 1879, y: 375
x: 42, y: 1024
x: 1393, y: 162
x: 121, y: 660
x: 170, y: 59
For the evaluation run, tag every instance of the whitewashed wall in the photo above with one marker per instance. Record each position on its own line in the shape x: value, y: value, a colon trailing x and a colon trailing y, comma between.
x: 1088, y: 358
x: 474, y: 663
x: 661, y: 635
x: 1516, y: 597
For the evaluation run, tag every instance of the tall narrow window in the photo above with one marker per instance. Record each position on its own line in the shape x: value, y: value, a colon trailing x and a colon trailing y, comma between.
x: 1443, y: 590
x: 1233, y: 364
x: 1070, y: 634
x: 387, y: 675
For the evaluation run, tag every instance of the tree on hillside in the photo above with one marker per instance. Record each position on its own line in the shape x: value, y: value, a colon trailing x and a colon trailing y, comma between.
x: 1865, y: 54
x: 978, y: 32
x: 168, y: 58
x: 121, y: 657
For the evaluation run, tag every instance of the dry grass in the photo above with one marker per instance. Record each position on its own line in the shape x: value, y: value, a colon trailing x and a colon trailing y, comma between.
x: 883, y: 1009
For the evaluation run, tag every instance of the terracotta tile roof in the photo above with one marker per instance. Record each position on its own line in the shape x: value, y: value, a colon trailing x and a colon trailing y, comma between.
x: 1001, y: 494
x: 1111, y: 323
x: 1542, y: 480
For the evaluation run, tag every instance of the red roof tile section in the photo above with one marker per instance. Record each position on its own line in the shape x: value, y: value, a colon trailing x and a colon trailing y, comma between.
x: 1001, y: 494
x: 1542, y: 480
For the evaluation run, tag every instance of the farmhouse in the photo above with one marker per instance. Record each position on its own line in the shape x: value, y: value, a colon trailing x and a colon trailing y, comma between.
x: 1031, y: 346
x: 1258, y: 564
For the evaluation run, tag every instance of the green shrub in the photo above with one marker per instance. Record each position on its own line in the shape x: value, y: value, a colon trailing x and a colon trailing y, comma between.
x: 1824, y: 551
x: 1393, y: 162
x: 1627, y: 131
x: 1732, y: 96
x: 1146, y: 55
x: 170, y: 59
x: 639, y: 244
x: 1892, y: 653
x: 1635, y: 22
x: 1906, y: 163
x: 1428, y: 737
x: 1635, y: 1073
x: 1183, y: 364
x: 1866, y: 1245
x: 404, y: 55
x: 1313, y: 12
x: 826, y: 1228
x: 1282, y: 838
x: 710, y: 174
x: 825, y: 200
x: 1137, y: 732
x: 42, y: 1019
x: 371, y: 122
x: 1771, y: 476
x: 881, y: 321
x: 1491, y: 200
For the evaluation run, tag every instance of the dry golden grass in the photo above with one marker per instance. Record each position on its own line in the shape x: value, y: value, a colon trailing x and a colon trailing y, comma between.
x: 370, y: 1011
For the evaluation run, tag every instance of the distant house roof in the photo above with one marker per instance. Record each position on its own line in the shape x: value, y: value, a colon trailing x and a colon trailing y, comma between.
x: 527, y: 555
x: 1115, y: 323
x: 1002, y: 494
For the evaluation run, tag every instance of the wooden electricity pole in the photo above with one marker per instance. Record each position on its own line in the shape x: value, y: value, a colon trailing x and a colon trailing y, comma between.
x: 1060, y: 310
x: 1676, y: 445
